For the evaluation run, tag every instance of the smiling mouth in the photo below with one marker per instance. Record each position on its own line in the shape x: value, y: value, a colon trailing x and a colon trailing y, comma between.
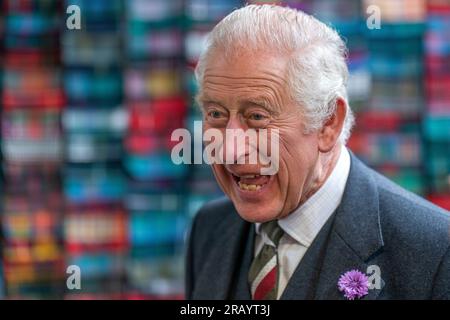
x: 250, y: 182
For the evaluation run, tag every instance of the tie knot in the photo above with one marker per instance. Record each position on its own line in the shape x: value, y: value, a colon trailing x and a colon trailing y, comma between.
x: 273, y: 231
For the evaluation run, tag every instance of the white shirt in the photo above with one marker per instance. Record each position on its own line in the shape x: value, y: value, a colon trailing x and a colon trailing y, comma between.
x: 303, y: 225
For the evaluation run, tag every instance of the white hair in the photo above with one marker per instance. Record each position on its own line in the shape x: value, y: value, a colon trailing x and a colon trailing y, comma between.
x: 317, y: 71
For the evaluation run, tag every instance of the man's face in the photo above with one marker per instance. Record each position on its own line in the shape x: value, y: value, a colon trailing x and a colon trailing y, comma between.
x: 250, y: 91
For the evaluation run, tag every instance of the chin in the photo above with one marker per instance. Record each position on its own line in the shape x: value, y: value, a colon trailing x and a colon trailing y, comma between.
x: 256, y: 212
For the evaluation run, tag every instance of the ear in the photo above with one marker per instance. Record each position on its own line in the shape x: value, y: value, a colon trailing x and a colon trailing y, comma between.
x: 331, y: 130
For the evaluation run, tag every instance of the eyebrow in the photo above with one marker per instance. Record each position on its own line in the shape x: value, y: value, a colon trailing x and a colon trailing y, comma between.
x: 202, y: 97
x: 261, y: 101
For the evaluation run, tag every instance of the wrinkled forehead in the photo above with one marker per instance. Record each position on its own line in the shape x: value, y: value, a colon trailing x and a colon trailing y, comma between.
x: 246, y: 76
x: 254, y: 58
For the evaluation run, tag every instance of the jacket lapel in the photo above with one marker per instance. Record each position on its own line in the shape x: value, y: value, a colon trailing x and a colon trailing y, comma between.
x: 339, y: 259
x: 241, y: 288
x: 356, y: 236
x: 302, y: 285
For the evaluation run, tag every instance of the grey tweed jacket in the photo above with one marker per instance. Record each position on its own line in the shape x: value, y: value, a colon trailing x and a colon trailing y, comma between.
x: 400, y: 239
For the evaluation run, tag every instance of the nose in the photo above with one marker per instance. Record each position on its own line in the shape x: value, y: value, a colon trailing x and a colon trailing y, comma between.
x: 236, y: 145
x: 236, y: 122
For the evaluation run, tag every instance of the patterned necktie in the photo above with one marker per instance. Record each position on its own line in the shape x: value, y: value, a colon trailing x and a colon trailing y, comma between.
x: 263, y: 273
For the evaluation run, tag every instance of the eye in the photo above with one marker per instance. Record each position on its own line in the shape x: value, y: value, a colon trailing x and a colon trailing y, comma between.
x: 257, y: 116
x: 215, y: 114
x: 216, y: 117
x: 257, y: 119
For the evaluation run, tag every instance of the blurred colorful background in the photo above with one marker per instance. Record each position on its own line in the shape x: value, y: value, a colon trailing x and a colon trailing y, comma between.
x: 86, y: 118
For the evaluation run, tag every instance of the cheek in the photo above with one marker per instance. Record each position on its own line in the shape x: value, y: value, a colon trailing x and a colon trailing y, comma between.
x: 294, y: 154
x: 290, y: 177
x: 297, y: 159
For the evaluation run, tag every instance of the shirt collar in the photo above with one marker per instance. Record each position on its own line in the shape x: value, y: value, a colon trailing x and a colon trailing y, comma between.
x: 305, y: 222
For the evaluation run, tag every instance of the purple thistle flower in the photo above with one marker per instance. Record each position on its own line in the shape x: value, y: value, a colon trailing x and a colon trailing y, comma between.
x: 354, y: 284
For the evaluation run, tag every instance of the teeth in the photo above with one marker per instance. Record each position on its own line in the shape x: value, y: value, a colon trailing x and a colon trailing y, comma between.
x: 249, y: 187
x: 248, y: 176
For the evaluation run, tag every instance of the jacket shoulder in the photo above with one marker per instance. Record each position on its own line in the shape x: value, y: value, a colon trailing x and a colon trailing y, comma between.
x: 416, y: 240
x: 215, y: 213
x: 389, y: 188
x: 213, y: 217
x: 405, y: 204
x: 412, y: 220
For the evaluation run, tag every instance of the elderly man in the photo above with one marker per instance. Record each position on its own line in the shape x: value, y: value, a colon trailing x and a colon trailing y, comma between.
x: 324, y: 226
